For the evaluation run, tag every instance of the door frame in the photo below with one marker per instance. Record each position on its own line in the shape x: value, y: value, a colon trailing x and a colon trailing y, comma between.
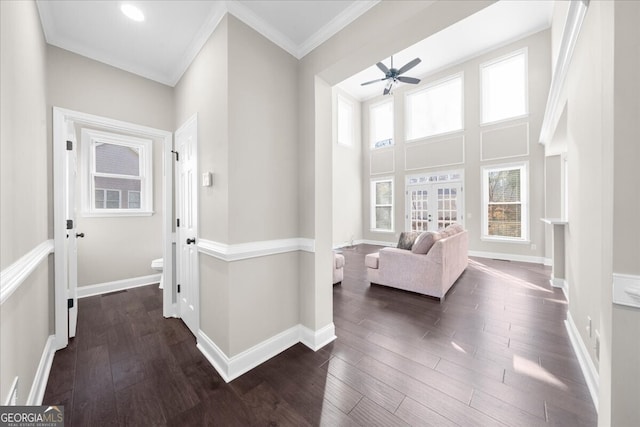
x: 426, y: 183
x: 195, y: 291
x: 60, y: 117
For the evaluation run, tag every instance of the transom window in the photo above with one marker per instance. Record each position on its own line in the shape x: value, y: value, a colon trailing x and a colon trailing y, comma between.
x: 505, y: 202
x: 434, y: 110
x: 382, y: 204
x: 118, y: 174
x: 381, y: 128
x: 504, y: 87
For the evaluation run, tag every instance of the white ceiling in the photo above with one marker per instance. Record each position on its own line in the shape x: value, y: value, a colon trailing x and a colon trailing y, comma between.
x: 496, y: 25
x: 162, y: 47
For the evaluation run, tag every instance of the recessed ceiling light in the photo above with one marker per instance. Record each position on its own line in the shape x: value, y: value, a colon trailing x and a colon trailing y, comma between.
x: 132, y: 12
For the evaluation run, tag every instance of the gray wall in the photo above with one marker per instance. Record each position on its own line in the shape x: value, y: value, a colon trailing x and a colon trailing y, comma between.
x: 82, y: 84
x: 347, y: 179
x: 463, y: 150
x: 25, y: 316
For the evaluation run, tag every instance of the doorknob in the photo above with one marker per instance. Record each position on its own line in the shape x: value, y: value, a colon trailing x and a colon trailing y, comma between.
x: 190, y: 241
x: 79, y: 234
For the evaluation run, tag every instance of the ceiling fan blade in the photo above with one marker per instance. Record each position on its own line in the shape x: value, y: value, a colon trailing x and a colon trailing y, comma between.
x: 383, y: 68
x: 409, y: 66
x: 411, y: 80
x: 386, y: 91
x: 373, y: 81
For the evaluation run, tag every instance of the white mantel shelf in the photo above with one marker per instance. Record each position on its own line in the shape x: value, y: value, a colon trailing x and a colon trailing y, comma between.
x: 554, y: 221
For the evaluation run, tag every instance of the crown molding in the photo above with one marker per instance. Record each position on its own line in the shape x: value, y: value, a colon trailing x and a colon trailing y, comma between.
x: 350, y: 14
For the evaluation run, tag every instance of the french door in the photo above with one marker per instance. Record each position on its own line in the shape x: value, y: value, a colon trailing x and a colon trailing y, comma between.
x: 432, y: 207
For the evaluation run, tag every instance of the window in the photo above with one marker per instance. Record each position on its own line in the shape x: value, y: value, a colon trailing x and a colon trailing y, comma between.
x: 504, y: 87
x: 381, y: 128
x: 118, y: 174
x: 382, y: 205
x: 435, y: 110
x: 345, y: 121
x: 505, y: 202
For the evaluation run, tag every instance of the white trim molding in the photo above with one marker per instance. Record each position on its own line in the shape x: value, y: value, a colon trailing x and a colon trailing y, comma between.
x: 553, y: 110
x: 231, y: 368
x: 248, y: 250
x: 117, y: 285
x: 315, y: 340
x: 379, y: 243
x: 626, y: 290
x: 14, y: 275
x: 561, y: 284
x: 508, y: 257
x: 589, y: 370
x: 39, y: 385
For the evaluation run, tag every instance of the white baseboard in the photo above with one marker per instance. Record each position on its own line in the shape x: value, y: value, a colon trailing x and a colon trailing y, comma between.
x: 315, y: 340
x: 508, y: 257
x: 39, y: 385
x: 548, y: 262
x: 589, y: 370
x: 562, y: 284
x: 118, y: 285
x: 231, y: 368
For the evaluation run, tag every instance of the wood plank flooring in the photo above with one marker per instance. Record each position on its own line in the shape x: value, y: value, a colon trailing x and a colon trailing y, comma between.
x: 495, y: 353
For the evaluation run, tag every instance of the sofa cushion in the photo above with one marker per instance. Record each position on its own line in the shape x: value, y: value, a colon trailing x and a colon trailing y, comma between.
x: 425, y: 241
x: 451, y: 230
x: 406, y: 239
x: 371, y: 260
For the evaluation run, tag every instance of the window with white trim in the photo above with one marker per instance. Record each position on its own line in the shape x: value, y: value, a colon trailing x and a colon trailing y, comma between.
x: 435, y: 109
x: 117, y: 173
x: 504, y: 87
x: 382, y: 204
x: 345, y: 121
x: 381, y: 124
x: 505, y: 213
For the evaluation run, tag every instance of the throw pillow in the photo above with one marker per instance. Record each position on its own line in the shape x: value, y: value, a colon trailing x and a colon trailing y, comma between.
x: 425, y: 242
x: 406, y: 239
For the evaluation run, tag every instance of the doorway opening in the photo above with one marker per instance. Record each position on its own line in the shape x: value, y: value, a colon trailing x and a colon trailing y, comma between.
x: 65, y: 156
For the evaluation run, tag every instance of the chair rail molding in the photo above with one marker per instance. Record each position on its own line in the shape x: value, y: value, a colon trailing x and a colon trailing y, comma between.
x: 236, y: 252
x: 14, y: 275
x: 553, y: 110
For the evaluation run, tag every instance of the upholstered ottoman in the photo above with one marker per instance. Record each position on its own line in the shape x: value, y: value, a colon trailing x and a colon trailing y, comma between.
x: 338, y: 268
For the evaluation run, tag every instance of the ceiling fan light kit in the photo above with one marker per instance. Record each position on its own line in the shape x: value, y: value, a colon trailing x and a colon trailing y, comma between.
x: 394, y: 75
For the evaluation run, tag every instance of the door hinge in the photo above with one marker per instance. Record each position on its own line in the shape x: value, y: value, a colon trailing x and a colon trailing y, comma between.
x: 178, y: 288
x: 69, y: 145
x: 70, y: 303
x: 69, y: 224
x: 177, y: 222
x: 177, y: 155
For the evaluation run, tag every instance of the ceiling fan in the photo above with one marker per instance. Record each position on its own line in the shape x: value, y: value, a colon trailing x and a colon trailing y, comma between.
x: 394, y: 75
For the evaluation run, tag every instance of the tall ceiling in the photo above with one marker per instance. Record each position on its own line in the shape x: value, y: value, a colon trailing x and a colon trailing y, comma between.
x: 166, y: 42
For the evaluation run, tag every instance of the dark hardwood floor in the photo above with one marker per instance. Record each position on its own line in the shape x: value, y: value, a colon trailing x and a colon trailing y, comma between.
x: 495, y: 353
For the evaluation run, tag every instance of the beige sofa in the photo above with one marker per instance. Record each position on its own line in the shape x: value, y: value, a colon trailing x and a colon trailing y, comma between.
x: 431, y: 274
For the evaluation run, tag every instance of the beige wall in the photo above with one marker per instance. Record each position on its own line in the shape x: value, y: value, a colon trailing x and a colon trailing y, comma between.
x: 138, y: 239
x: 625, y: 372
x: 347, y: 178
x: 25, y: 316
x: 247, y: 138
x: 469, y: 150
x: 82, y: 84
x: 600, y: 126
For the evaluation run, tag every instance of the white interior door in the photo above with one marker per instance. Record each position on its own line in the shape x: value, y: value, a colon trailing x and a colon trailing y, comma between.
x: 432, y: 207
x: 186, y: 143
x: 72, y: 234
